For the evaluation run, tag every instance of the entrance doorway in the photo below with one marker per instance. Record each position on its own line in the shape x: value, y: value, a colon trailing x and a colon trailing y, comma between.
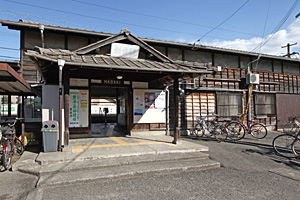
x: 108, y: 111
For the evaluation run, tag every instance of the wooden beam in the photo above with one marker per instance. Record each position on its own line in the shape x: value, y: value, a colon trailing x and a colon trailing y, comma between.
x: 66, y: 85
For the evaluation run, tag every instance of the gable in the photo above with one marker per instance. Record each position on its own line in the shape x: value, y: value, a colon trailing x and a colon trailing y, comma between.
x: 125, y: 37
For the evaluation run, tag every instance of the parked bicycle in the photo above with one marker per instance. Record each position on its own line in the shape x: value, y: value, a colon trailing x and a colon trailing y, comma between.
x: 287, y: 145
x: 215, y: 130
x: 237, y: 129
x: 292, y: 126
x: 10, y: 143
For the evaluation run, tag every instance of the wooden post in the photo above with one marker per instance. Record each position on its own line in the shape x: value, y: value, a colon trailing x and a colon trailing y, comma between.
x: 66, y: 81
x: 61, y: 64
x: 21, y: 115
x: 176, y: 112
x: 9, y: 105
x: 130, y: 111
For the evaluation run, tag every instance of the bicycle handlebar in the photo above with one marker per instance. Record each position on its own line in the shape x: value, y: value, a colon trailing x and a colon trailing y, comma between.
x: 12, y: 122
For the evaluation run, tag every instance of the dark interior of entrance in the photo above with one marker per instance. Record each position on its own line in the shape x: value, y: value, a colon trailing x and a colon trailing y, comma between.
x: 108, y: 110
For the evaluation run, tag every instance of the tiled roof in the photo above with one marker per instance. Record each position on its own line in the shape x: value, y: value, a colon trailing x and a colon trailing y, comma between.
x: 100, y: 61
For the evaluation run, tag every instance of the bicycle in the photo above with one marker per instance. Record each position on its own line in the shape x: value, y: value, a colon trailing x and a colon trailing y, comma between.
x: 237, y: 129
x: 287, y: 145
x: 219, y: 132
x: 292, y: 126
x: 10, y: 143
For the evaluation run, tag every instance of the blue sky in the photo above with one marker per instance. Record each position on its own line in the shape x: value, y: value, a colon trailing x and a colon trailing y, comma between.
x: 171, y: 20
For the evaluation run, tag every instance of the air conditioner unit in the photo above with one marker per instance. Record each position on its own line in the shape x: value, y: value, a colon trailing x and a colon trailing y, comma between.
x: 252, y: 79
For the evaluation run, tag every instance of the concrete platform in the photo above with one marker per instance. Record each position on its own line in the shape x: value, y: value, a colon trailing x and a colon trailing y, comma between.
x: 108, y: 147
x: 107, y: 157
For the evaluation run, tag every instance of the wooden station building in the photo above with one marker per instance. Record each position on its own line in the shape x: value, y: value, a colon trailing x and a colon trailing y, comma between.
x: 156, y: 85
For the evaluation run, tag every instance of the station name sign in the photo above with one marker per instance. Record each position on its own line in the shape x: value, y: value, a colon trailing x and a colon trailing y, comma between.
x: 112, y: 82
x: 107, y: 82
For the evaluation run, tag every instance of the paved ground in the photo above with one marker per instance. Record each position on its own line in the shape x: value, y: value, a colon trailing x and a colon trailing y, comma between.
x: 250, y: 154
x: 250, y: 170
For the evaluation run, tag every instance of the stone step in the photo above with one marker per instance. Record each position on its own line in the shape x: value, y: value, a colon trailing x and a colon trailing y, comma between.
x: 106, y: 162
x: 78, y: 175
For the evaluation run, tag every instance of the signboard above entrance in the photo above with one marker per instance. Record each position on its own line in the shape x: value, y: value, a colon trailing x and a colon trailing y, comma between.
x: 109, y: 82
x: 124, y: 50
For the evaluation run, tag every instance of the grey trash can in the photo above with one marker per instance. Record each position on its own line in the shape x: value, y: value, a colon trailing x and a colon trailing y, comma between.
x: 50, y: 136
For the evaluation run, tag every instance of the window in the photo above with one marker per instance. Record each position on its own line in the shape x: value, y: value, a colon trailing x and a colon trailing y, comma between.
x: 265, y: 104
x: 226, y: 60
x: 9, y: 101
x: 262, y: 64
x: 197, y: 56
x: 33, y: 107
x: 229, y: 104
x: 292, y: 68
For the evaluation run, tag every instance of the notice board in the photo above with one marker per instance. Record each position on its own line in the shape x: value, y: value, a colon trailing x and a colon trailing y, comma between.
x: 79, y: 108
x: 149, y: 106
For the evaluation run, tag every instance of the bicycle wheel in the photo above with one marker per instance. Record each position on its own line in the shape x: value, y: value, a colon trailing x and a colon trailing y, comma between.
x: 282, y: 145
x: 296, y: 147
x: 199, y: 130
x: 290, y: 128
x: 258, y: 130
x: 6, y: 157
x: 220, y: 133
x: 19, y: 146
x: 210, y: 128
x: 236, y: 131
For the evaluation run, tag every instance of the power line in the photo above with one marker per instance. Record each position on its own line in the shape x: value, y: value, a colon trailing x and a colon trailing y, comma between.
x: 9, y: 57
x: 9, y: 49
x: 279, y: 25
x: 224, y: 20
x: 161, y: 18
x: 13, y: 13
x: 263, y: 34
x: 102, y: 19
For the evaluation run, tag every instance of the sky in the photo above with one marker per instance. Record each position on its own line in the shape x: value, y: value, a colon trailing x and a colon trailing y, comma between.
x: 233, y: 24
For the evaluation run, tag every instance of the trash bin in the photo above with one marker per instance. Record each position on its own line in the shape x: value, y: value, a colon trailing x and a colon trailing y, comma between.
x: 50, y: 136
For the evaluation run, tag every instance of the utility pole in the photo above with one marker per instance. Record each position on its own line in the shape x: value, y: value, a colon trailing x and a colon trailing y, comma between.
x: 288, y: 49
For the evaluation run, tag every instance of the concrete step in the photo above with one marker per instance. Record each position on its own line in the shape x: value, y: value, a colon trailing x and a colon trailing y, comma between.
x: 82, y: 172
x: 89, y: 164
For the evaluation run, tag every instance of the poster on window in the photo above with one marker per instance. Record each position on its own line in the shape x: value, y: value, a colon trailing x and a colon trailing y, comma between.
x: 149, y: 106
x: 78, y: 108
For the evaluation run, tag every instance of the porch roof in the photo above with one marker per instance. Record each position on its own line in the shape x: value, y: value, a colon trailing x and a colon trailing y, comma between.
x: 99, y: 61
x: 11, y: 82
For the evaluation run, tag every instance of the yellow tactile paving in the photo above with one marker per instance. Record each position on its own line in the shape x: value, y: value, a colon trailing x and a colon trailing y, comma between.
x: 119, y: 143
x: 118, y: 140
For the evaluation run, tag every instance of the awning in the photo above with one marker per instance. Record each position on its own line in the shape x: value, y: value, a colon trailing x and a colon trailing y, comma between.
x: 11, y: 82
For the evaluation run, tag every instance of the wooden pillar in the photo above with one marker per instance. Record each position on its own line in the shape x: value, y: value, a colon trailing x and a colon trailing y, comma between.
x: 9, y: 105
x: 66, y: 82
x: 61, y: 64
x: 176, y: 112
x: 130, y: 111
x: 21, y: 116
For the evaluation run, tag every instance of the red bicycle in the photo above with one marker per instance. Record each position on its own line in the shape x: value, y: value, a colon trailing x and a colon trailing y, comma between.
x: 10, y: 143
x: 237, y: 129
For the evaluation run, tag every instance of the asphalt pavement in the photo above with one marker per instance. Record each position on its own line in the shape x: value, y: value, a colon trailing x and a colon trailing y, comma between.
x: 249, y: 169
